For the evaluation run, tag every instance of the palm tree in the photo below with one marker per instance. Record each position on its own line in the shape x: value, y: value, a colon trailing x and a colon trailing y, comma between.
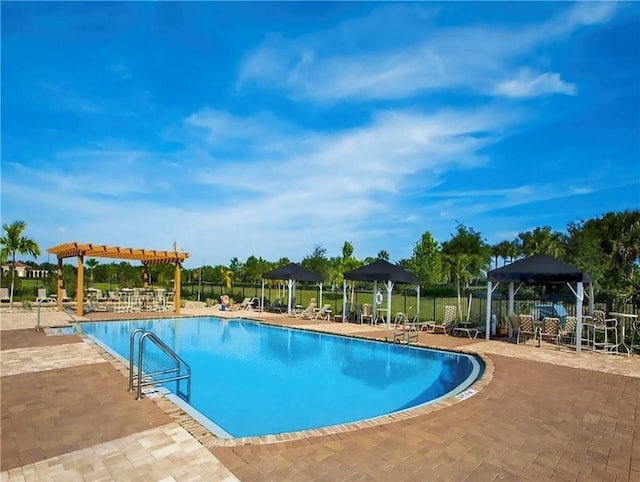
x: 227, y: 277
x: 92, y: 263
x: 14, y: 243
x: 542, y: 241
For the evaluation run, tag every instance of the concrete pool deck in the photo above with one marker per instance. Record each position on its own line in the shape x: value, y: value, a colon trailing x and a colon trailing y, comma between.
x: 545, y: 414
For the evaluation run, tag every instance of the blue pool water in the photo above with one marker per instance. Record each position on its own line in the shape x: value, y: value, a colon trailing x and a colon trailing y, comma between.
x: 252, y: 379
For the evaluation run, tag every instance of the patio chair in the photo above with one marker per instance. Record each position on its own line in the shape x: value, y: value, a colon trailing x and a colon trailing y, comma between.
x: 514, y: 324
x: 527, y: 328
x: 447, y: 324
x: 346, y: 313
x: 65, y: 297
x: 550, y: 329
x: 405, y: 329
x: 366, y: 314
x: 4, y: 295
x: 568, y: 331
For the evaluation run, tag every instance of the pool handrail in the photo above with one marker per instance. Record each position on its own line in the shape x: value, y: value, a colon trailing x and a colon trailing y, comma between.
x: 169, y: 352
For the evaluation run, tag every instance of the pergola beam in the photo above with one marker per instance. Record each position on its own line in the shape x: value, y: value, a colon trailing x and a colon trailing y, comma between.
x: 145, y: 256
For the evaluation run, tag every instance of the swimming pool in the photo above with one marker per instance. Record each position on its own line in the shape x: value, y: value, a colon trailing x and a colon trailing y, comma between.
x: 251, y: 379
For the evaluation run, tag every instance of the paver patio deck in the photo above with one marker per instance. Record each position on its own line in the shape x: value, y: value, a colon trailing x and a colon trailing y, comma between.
x: 545, y: 415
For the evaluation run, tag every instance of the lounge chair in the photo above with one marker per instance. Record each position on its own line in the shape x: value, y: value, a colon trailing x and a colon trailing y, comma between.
x: 471, y: 331
x: 276, y: 307
x: 297, y: 310
x: 245, y: 305
x: 447, y: 324
x: 309, y: 312
x: 323, y: 313
x: 42, y: 296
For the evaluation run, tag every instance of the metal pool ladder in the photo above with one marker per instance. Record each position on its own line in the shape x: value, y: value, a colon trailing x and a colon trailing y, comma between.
x: 149, y: 378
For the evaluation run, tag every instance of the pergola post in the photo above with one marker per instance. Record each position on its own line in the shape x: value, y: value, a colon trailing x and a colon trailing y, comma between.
x: 59, y: 284
x: 80, y: 286
x: 176, y: 288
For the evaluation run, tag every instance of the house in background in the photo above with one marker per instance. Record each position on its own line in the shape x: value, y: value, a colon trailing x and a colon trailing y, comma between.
x: 25, y: 271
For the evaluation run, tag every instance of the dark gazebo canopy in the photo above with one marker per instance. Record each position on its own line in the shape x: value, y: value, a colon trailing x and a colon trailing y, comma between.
x: 382, y: 270
x: 292, y: 273
x: 295, y: 272
x: 539, y: 269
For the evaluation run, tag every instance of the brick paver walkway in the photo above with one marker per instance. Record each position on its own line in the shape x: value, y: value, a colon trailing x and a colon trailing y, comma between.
x: 545, y: 415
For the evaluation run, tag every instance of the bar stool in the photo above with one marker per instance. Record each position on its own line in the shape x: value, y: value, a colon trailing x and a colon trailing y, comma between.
x: 608, y: 328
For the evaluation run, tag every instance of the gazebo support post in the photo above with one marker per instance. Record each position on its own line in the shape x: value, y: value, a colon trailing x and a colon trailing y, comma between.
x: 262, y: 298
x: 389, y: 290
x: 579, y: 298
x: 290, y: 284
x: 488, y: 320
x: 344, y: 300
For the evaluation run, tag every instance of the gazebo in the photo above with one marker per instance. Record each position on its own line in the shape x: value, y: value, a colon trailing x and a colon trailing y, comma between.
x: 292, y: 272
x: 146, y: 256
x: 388, y: 273
x: 540, y: 269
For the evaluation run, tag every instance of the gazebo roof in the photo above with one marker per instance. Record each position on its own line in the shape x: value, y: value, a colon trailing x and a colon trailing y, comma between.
x: 293, y: 271
x: 382, y: 270
x: 147, y: 256
x: 539, y: 269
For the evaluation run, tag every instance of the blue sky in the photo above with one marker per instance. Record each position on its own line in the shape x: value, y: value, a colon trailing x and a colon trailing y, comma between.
x: 267, y: 129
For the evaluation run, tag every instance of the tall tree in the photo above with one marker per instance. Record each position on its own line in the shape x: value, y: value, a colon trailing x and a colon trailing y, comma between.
x: 317, y: 262
x: 542, y: 241
x: 426, y: 261
x: 382, y: 254
x: 465, y: 256
x: 13, y: 242
x: 226, y: 276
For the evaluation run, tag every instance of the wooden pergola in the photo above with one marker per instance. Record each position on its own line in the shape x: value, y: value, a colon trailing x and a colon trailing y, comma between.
x: 146, y: 256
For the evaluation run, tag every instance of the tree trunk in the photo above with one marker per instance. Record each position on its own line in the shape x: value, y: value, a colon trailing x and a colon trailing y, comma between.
x: 13, y: 278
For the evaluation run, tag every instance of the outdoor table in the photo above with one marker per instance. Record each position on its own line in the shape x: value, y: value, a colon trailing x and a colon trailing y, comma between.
x: 623, y: 319
x: 381, y: 313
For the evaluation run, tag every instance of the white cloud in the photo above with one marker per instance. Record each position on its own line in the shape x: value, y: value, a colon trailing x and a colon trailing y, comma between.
x: 530, y: 84
x: 320, y: 188
x: 327, y: 67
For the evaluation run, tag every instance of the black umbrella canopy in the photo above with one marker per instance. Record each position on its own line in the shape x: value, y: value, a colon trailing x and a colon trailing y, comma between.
x: 539, y: 269
x: 382, y: 270
x: 295, y: 272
